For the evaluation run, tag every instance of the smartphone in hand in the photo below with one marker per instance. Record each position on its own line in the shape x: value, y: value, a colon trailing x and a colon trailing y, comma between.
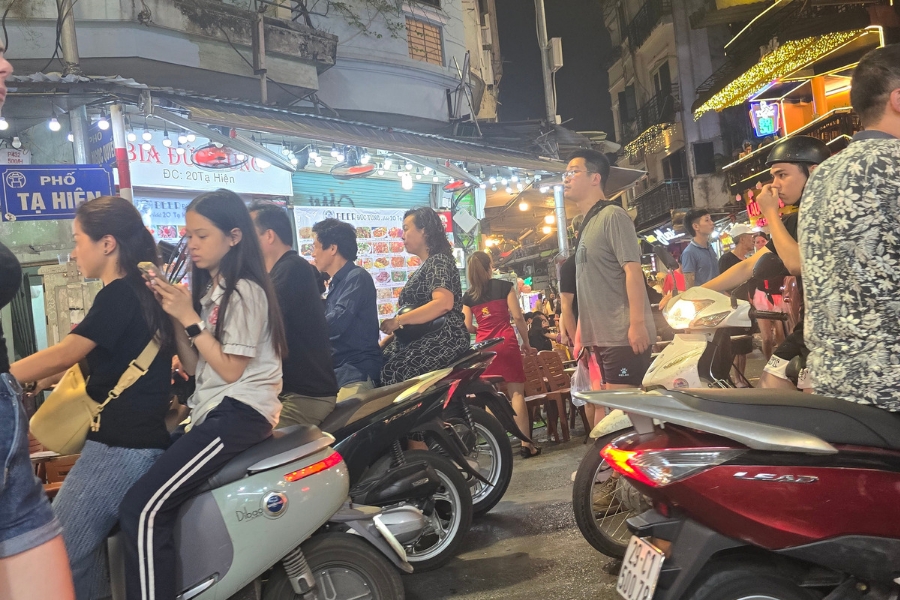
x: 149, y: 270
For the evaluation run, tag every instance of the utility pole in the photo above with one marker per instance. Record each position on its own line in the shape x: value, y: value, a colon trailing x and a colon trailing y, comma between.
x: 562, y: 235
x: 78, y: 119
x: 259, y: 53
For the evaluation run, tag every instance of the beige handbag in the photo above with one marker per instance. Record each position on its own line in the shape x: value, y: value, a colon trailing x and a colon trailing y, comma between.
x: 62, y: 422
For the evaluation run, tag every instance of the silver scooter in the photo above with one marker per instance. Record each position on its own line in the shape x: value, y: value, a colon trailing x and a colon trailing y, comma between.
x: 280, y: 508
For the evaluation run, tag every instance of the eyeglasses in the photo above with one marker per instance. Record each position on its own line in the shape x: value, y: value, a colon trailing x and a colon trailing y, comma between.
x: 573, y: 173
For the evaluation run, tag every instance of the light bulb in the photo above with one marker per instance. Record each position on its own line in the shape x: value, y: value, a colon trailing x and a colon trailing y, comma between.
x: 334, y: 151
x: 70, y: 137
x: 493, y: 188
x: 483, y: 186
x: 146, y: 136
x: 285, y: 150
x: 492, y: 180
x: 550, y: 219
x: 381, y: 171
x: 435, y: 179
x: 418, y: 176
x: 313, y: 153
x: 514, y: 178
x: 132, y: 137
x: 428, y: 170
x: 406, y: 182
x: 544, y: 189
x: 54, y: 125
x: 4, y: 124
x: 218, y: 145
x: 546, y: 229
x: 409, y: 166
x: 387, y: 163
x: 294, y: 161
x: 182, y: 139
x: 519, y: 187
x: 191, y: 138
x: 509, y: 190
x: 16, y: 143
x: 103, y: 123
x: 340, y: 157
x: 167, y: 142
x: 365, y: 158
x: 318, y: 161
x: 240, y: 157
x: 523, y: 206
x: 179, y: 151
x: 147, y: 146
x: 504, y: 181
x: 263, y: 164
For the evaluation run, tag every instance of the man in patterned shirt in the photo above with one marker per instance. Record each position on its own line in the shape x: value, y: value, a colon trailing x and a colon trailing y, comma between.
x: 849, y: 232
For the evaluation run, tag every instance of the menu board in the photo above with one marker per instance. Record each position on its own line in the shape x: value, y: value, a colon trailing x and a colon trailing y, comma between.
x: 380, y: 247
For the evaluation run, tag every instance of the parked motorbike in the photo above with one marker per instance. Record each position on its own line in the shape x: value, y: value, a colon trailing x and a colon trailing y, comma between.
x: 484, y: 434
x: 700, y: 356
x: 424, y: 497
x: 270, y: 507
x: 758, y: 494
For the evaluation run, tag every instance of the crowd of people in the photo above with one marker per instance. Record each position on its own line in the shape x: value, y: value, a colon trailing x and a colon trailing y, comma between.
x: 267, y: 350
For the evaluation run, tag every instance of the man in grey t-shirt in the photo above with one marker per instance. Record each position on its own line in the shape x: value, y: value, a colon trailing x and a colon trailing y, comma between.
x: 614, y: 310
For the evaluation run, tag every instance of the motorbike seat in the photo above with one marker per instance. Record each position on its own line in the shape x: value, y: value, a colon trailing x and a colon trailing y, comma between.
x: 362, y: 405
x: 281, y: 440
x: 831, y: 419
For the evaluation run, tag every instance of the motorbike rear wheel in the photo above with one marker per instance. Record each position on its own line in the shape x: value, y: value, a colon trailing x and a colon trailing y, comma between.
x: 449, y: 518
x: 345, y: 567
x: 491, y: 449
x: 742, y: 583
x: 601, y: 504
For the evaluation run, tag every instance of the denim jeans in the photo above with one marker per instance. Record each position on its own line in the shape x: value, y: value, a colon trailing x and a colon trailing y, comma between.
x: 26, y: 520
x: 88, y: 507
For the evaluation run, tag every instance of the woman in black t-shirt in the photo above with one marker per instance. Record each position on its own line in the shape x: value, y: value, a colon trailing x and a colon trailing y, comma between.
x: 538, y: 335
x: 110, y: 241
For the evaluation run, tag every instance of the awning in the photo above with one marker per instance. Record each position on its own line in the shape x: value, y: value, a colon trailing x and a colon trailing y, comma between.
x: 327, y: 129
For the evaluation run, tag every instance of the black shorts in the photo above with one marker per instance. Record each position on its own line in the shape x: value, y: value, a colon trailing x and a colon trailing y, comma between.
x: 620, y: 365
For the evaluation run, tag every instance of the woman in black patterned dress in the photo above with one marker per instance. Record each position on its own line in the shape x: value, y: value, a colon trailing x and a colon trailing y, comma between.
x: 434, y: 290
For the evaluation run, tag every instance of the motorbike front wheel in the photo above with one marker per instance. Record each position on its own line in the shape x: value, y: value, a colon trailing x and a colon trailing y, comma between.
x: 602, y: 503
x: 489, y: 447
x: 448, y: 514
x: 346, y: 567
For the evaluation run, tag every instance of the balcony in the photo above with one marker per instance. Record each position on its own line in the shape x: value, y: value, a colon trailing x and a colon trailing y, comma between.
x: 831, y: 129
x: 646, y: 20
x: 659, y: 109
x: 658, y: 202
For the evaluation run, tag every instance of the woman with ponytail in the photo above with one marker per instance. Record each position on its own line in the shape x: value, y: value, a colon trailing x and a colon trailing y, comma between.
x: 493, y: 303
x: 110, y: 241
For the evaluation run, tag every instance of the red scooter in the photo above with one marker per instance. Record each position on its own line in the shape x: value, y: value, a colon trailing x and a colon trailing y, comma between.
x: 758, y: 494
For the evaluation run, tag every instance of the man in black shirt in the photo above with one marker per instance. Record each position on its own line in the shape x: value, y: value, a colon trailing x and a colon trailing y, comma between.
x: 790, y: 163
x: 742, y: 236
x: 310, y: 388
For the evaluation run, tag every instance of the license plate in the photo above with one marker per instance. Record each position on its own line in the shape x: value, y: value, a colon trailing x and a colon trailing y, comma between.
x: 640, y: 570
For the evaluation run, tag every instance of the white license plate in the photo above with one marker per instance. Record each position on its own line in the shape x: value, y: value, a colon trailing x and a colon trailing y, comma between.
x: 640, y: 570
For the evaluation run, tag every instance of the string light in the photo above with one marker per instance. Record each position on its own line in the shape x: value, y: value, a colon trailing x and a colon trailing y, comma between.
x: 388, y: 162
x: 652, y: 140
x: 103, y: 123
x: 406, y: 181
x: 182, y: 138
x: 523, y: 206
x: 147, y: 136
x: 4, y: 124
x: 509, y: 190
x: 365, y: 158
x: 16, y: 143
x: 191, y: 138
x: 787, y: 59
x: 313, y: 152
x: 70, y: 137
x: 550, y: 219
x: 54, y: 124
x: 132, y: 137
x: 546, y: 229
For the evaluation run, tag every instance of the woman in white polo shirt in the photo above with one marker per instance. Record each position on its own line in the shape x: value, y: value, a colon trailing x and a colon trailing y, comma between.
x: 230, y: 334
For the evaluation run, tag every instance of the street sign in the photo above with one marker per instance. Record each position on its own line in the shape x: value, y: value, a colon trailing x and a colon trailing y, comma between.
x: 41, y: 192
x: 101, y: 146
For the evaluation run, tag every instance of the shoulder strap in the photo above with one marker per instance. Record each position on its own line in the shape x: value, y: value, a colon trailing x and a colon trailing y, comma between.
x: 135, y: 371
x: 593, y: 212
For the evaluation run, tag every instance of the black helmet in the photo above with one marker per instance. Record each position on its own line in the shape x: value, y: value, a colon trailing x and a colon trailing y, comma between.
x: 799, y: 149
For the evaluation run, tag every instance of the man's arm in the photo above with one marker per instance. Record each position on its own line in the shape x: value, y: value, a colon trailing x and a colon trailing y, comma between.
x: 635, y: 288
x: 736, y: 275
x: 787, y: 247
x: 688, y: 280
x: 688, y: 268
x: 340, y: 314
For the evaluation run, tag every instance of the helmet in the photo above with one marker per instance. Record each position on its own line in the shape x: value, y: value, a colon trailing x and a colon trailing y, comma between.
x: 799, y: 149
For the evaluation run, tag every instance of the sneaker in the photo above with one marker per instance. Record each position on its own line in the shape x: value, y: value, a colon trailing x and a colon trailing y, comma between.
x: 604, y: 498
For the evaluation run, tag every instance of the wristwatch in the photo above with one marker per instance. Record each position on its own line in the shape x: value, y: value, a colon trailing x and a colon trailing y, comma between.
x: 194, y: 330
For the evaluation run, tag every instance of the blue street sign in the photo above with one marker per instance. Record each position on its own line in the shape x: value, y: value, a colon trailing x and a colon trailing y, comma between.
x: 101, y: 146
x: 40, y: 192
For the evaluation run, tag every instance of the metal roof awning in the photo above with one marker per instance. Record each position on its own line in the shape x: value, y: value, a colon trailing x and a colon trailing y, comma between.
x: 327, y: 129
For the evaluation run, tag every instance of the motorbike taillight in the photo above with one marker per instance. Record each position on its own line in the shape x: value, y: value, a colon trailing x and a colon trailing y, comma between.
x: 451, y: 390
x: 658, y: 468
x: 326, y: 463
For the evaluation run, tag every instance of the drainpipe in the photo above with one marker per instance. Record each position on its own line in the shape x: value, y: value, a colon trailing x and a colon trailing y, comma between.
x: 78, y: 119
x: 117, y: 117
x: 561, y: 234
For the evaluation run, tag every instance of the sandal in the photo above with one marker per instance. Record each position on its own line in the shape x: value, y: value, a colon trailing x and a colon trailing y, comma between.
x: 526, y: 452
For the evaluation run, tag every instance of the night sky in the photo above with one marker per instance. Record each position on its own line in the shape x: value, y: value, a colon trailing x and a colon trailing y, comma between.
x: 582, y: 87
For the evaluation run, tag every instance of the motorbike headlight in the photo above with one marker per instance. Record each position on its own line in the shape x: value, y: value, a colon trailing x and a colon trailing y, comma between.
x: 680, y: 314
x: 711, y: 320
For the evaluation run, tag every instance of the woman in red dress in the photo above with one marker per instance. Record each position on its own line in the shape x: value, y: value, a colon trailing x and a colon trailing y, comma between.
x: 492, y: 302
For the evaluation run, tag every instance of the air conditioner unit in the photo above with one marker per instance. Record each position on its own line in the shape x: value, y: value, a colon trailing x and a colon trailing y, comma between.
x: 556, y: 55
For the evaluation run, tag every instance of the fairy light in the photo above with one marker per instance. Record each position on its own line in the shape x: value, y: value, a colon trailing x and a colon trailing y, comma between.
x: 653, y: 139
x: 788, y: 58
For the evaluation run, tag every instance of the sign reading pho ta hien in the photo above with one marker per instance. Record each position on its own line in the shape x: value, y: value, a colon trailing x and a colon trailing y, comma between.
x: 36, y: 192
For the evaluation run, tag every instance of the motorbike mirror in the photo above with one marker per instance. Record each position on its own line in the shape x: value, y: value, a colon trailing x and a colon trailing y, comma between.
x: 663, y: 256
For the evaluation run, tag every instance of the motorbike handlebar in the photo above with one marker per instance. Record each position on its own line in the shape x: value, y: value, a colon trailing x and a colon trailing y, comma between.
x: 768, y: 314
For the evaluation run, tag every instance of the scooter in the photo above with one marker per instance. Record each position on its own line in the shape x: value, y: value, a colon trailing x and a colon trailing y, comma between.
x: 700, y: 356
x: 425, y: 499
x: 265, y: 513
x: 483, y: 433
x: 758, y: 493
